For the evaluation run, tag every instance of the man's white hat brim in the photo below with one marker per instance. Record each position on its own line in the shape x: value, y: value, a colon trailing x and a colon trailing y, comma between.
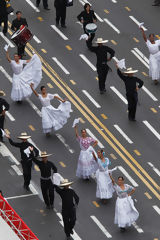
x: 130, y: 71
x: 65, y: 184
x: 103, y: 41
x: 24, y: 137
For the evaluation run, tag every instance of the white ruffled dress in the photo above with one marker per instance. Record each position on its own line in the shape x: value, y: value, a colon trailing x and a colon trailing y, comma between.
x: 54, y: 118
x: 125, y: 211
x: 23, y: 77
x: 105, y: 187
x: 86, y: 163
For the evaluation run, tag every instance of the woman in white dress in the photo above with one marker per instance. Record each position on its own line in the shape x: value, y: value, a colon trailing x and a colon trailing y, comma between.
x: 52, y: 118
x: 86, y: 163
x: 104, y: 183
x: 125, y: 211
x: 154, y: 58
x: 23, y: 77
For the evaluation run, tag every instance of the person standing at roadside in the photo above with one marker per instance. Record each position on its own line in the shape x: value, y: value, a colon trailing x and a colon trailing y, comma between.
x: 4, y: 106
x: 4, y: 16
x: 60, y: 6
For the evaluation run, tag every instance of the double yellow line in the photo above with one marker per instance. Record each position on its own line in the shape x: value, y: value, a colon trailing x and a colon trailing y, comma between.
x: 109, y: 138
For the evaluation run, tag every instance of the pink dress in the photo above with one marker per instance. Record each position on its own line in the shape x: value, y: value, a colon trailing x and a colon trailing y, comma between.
x: 86, y: 164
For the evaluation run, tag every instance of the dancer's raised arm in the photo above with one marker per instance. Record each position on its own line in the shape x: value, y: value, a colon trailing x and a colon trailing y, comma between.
x: 34, y: 91
x: 144, y: 35
x: 8, y: 57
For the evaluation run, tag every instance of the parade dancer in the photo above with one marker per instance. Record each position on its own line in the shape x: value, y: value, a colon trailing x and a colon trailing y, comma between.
x: 4, y: 106
x: 104, y: 184
x: 86, y: 163
x: 154, y: 58
x: 69, y: 202
x: 125, y: 211
x: 52, y: 118
x: 26, y: 158
x: 23, y: 77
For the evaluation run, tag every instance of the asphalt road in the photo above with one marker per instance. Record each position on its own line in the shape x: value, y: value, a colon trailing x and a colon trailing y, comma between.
x: 132, y: 146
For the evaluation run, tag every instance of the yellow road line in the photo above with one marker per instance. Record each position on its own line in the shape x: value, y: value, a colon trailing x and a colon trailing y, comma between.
x: 148, y: 195
x: 145, y: 74
x: 50, y: 85
x: 40, y: 19
x: 36, y: 168
x: 106, y: 11
x: 153, y: 110
x: 81, y: 120
x: 113, y: 156
x: 62, y: 164
x: 68, y: 47
x: 137, y: 152
x: 136, y: 40
x: 114, y: 42
x: 96, y: 204
x: 43, y: 50
x: 104, y: 116
x: 77, y: 105
x: 97, y: 78
x: 31, y: 127
x: 73, y: 82
x: 128, y: 9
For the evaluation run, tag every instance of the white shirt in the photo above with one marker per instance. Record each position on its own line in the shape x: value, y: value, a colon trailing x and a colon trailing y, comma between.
x: 17, y: 67
x: 46, y: 101
x: 153, y: 48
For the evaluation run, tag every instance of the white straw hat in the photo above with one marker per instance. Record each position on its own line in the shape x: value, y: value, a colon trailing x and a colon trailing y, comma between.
x: 2, y: 93
x: 24, y: 136
x: 130, y: 70
x: 65, y: 182
x: 100, y: 40
x: 45, y: 154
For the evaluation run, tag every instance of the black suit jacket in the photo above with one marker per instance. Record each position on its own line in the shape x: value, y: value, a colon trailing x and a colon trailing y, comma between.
x: 3, y: 9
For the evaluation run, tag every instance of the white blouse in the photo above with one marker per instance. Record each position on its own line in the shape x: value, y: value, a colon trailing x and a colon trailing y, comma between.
x: 153, y: 48
x: 17, y: 67
x: 46, y: 101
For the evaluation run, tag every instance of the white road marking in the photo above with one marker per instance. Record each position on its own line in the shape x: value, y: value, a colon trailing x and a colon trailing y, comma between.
x: 152, y: 129
x: 114, y: 1
x: 21, y: 196
x: 98, y: 17
x: 36, y: 39
x: 154, y: 168
x: 61, y: 66
x: 157, y: 209
x: 142, y: 55
x: 17, y: 170
x: 136, y: 22
x: 10, y: 116
x: 140, y: 58
x: 123, y: 134
x: 91, y: 99
x: 31, y: 141
x: 149, y: 93
x: 128, y: 176
x: 32, y: 5
x: 7, y: 40
x: 119, y: 94
x: 75, y: 235
x: 6, y: 153
x: 78, y: 22
x: 115, y: 59
x: 59, y: 32
x: 93, y: 136
x: 103, y: 229
x: 140, y: 230
x: 88, y: 62
x: 6, y: 74
x: 33, y: 189
x: 64, y: 142
x: 34, y: 107
x: 111, y: 25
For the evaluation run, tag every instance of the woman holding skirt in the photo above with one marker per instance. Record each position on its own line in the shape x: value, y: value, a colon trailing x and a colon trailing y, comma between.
x: 23, y: 77
x: 86, y: 163
x: 104, y: 183
x: 154, y: 58
x: 125, y: 211
x: 52, y: 118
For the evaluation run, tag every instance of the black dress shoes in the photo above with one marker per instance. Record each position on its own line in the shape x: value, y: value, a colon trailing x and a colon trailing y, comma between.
x: 47, y: 8
x: 63, y: 26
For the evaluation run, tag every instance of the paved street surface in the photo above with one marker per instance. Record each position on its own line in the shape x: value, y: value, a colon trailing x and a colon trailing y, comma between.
x: 134, y: 146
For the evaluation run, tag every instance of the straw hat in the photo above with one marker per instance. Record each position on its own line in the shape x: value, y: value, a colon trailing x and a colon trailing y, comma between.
x: 44, y: 154
x: 130, y: 70
x: 100, y: 40
x: 24, y: 136
x: 2, y: 93
x: 65, y: 182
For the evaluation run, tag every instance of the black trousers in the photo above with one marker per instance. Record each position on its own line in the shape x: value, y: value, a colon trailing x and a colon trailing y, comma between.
x: 1, y: 125
x: 102, y: 71
x: 27, y: 168
x: 20, y: 50
x: 157, y: 2
x: 47, y: 191
x: 61, y: 16
x: 45, y: 3
x: 69, y: 220
x: 132, y: 104
x: 5, y: 21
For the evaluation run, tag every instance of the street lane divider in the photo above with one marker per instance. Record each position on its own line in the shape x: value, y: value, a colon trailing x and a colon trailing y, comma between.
x: 152, y: 129
x: 128, y: 176
x: 36, y: 39
x: 119, y: 94
x: 137, y: 22
x: 61, y: 66
x: 94, y: 137
x: 32, y: 5
x: 157, y: 209
x: 156, y: 170
x: 59, y: 32
x: 7, y: 40
x: 123, y: 133
x: 91, y: 99
x: 88, y: 62
x: 112, y: 26
x: 101, y: 227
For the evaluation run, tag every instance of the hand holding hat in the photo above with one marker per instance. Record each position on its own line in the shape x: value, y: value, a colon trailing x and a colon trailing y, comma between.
x: 6, y: 47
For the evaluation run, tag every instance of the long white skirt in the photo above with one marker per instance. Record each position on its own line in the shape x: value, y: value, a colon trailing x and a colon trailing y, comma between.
x: 86, y: 164
x: 104, y: 185
x: 32, y: 73
x: 125, y: 212
x: 154, y: 66
x: 55, y: 118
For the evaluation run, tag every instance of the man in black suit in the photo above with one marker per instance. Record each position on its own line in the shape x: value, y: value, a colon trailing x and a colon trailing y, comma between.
x: 45, y: 4
x: 60, y: 6
x: 156, y: 3
x: 3, y: 16
x: 16, y: 24
x: 4, y: 106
